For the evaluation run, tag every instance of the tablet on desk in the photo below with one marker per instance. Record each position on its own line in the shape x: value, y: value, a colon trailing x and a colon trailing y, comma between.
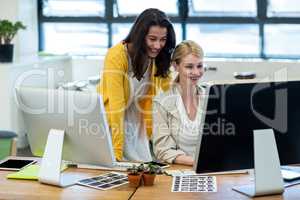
x: 15, y: 164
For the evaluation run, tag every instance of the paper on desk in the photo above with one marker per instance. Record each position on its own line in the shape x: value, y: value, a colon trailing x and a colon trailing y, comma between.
x: 105, y: 181
x: 194, y: 183
x: 30, y: 173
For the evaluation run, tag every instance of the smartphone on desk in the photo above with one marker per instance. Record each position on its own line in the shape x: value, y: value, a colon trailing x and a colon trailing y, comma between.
x: 15, y: 164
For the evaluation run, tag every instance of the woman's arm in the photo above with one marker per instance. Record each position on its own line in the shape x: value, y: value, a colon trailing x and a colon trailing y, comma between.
x: 184, y: 160
x: 113, y: 77
x: 163, y: 142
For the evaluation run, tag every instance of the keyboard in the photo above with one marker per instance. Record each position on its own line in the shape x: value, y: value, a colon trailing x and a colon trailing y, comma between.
x: 118, y: 166
x: 291, y: 168
x: 290, y: 173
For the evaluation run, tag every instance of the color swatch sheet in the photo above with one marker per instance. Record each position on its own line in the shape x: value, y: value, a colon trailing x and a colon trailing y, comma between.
x: 105, y: 181
x: 194, y: 183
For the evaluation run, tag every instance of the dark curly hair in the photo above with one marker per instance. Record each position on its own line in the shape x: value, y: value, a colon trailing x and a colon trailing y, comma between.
x: 136, y: 37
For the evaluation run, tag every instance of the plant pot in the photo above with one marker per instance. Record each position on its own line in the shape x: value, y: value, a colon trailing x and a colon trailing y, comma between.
x: 148, y: 179
x: 134, y: 180
x: 6, y: 52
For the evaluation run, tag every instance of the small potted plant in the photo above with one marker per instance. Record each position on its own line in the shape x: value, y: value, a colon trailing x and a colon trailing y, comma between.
x: 141, y: 168
x: 150, y: 174
x: 134, y: 176
x: 8, y: 30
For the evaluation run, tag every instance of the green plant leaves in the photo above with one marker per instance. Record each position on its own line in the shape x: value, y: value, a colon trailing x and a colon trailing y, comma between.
x: 8, y: 30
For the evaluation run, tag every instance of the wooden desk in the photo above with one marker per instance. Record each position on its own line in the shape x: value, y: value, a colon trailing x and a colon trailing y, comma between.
x: 26, y: 189
x: 162, y: 190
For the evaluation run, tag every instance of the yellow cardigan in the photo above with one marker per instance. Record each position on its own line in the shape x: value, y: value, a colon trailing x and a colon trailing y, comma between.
x: 115, y: 90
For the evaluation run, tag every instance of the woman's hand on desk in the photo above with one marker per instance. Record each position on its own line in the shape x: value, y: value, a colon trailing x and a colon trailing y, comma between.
x: 184, y: 160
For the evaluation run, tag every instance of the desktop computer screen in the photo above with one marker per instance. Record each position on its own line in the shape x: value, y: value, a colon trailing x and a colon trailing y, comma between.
x: 81, y: 115
x: 235, y: 110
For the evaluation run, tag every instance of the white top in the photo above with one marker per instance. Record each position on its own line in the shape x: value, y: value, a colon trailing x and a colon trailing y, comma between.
x: 136, y: 144
x: 190, y: 129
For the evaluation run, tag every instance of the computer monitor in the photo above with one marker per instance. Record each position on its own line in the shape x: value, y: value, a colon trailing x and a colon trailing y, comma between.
x: 234, y: 111
x: 81, y: 115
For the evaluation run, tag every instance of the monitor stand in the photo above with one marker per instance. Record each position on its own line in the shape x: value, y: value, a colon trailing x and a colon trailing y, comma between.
x: 267, y: 175
x: 52, y: 160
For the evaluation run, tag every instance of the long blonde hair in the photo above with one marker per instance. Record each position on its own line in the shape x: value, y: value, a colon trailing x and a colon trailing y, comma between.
x: 183, y: 49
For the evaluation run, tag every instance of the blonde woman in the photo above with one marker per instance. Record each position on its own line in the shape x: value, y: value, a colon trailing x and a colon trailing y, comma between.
x: 177, y: 112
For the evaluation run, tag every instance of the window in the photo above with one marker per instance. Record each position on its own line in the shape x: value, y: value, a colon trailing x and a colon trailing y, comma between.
x: 284, y: 8
x: 73, y: 8
x: 221, y: 39
x: 225, y: 28
x: 134, y: 7
x: 120, y: 31
x: 75, y: 38
x: 282, y: 40
x: 223, y: 8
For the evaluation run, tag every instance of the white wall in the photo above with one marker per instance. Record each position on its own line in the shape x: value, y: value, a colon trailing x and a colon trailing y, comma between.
x: 5, y: 116
x: 84, y: 68
x: 28, y: 39
x: 265, y: 70
x: 8, y: 9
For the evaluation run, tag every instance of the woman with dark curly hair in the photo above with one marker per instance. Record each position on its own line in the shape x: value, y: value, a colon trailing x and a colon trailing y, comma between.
x: 135, y: 70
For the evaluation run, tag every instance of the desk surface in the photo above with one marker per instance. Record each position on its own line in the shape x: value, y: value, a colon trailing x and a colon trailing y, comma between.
x: 26, y: 189
x: 162, y: 190
x: 23, y: 189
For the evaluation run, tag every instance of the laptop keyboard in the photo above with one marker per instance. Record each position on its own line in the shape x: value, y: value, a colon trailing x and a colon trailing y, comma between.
x: 125, y: 164
x: 118, y: 166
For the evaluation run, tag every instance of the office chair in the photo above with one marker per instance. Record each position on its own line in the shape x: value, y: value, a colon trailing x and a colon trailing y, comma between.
x: 8, y: 144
